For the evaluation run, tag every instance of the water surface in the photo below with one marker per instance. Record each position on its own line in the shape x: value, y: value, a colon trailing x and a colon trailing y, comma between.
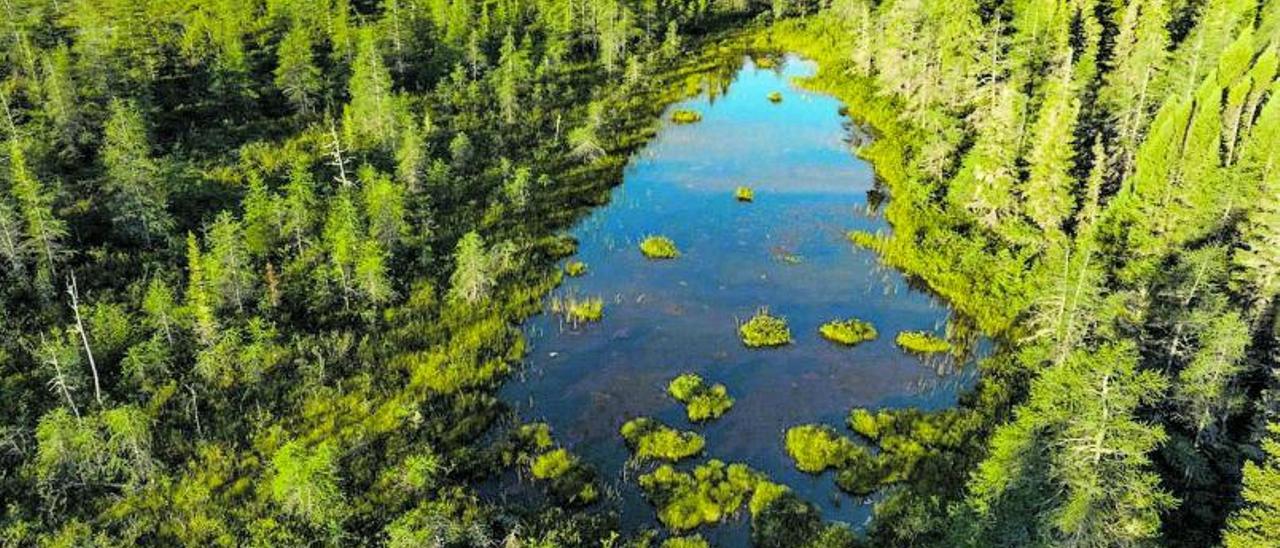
x: 786, y: 251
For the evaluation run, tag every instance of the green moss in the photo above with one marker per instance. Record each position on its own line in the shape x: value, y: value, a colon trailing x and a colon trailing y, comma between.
x: 922, y: 342
x: 816, y: 448
x: 764, y: 330
x: 686, y: 116
x: 702, y: 402
x: 848, y: 332
x: 575, y: 268
x: 652, y: 440
x: 552, y: 464
x: 694, y: 541
x: 579, y: 310
x: 744, y: 194
x: 775, y: 97
x: 711, y: 493
x: 659, y: 247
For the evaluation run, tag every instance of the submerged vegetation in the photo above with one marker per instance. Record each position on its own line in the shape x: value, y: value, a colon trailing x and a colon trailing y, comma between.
x: 579, y: 310
x: 702, y: 402
x: 685, y: 116
x: 764, y: 330
x: 659, y: 247
x: 775, y: 97
x: 848, y: 332
x: 922, y: 342
x: 652, y: 440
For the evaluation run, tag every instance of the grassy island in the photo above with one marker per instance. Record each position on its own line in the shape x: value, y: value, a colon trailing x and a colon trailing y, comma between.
x: 764, y: 330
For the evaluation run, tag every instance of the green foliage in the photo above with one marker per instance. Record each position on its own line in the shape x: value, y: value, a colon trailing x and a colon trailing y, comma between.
x: 1256, y: 523
x: 578, y: 310
x: 305, y: 483
x: 816, y: 448
x: 711, y: 493
x: 764, y: 330
x: 693, y: 541
x: 702, y: 402
x: 744, y: 194
x: 775, y: 97
x: 575, y: 268
x: 686, y: 116
x: 659, y: 247
x: 921, y: 342
x: 652, y: 440
x: 848, y: 332
x: 552, y: 464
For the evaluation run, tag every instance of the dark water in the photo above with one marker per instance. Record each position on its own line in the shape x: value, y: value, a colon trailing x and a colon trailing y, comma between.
x: 786, y: 251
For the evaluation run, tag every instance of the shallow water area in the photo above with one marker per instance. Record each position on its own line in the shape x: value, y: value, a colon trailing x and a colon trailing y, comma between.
x: 786, y: 250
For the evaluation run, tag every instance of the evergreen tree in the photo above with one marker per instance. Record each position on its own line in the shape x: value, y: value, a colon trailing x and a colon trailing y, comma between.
x: 44, y: 230
x: 1258, y: 522
x: 138, y: 195
x: 228, y: 272
x: 296, y: 74
x: 369, y: 119
x: 198, y: 304
x: 1047, y: 194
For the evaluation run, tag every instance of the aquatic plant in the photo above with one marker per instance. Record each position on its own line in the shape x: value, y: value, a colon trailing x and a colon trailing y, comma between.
x: 866, y: 423
x: 922, y: 342
x: 564, y: 476
x: 712, y: 492
x: 575, y: 268
x: 744, y: 194
x: 579, y: 310
x: 775, y: 97
x: 864, y: 239
x: 694, y: 541
x: 702, y: 402
x: 659, y: 247
x: 686, y: 116
x: 765, y: 62
x: 848, y: 332
x: 764, y: 330
x: 816, y: 448
x: 650, y: 439
x: 552, y: 464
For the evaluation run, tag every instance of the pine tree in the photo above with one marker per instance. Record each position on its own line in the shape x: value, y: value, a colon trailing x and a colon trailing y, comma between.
x: 297, y: 211
x: 1258, y: 522
x: 1140, y: 51
x: 342, y: 236
x: 262, y: 218
x: 384, y: 207
x: 159, y: 308
x: 1205, y: 391
x: 1046, y: 195
x: 296, y: 74
x: 369, y: 119
x: 984, y: 186
x: 472, y: 277
x: 138, y: 196
x: 1257, y: 262
x: 197, y: 299
x: 44, y: 230
x: 228, y: 271
x: 513, y: 72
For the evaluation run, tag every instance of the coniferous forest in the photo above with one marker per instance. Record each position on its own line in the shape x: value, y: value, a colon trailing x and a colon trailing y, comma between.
x: 266, y: 268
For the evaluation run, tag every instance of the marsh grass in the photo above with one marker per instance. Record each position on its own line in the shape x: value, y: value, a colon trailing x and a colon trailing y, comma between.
x: 575, y: 268
x: 712, y: 493
x: 686, y: 116
x: 579, y: 310
x: 692, y: 541
x: 744, y: 194
x: 659, y: 247
x: 652, y: 440
x: 775, y: 97
x: 921, y: 342
x: 815, y: 448
x: 702, y: 402
x: 764, y: 330
x: 848, y: 332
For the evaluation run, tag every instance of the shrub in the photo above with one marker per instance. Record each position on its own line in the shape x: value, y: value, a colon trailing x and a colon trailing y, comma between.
x: 763, y: 330
x: 575, y: 268
x: 848, y: 332
x: 650, y: 439
x: 816, y: 448
x: 686, y: 116
x: 695, y: 541
x: 744, y: 194
x: 659, y: 247
x: 775, y: 97
x: 865, y: 423
x: 864, y: 239
x: 702, y: 402
x: 714, y: 490
x: 921, y: 342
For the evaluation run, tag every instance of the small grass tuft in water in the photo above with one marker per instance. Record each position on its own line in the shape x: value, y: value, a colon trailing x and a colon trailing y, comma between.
x: 713, y: 492
x: 702, y: 402
x: 686, y: 116
x: 921, y: 342
x: 652, y: 440
x: 848, y: 332
x: 864, y: 239
x: 764, y: 330
x: 775, y: 97
x: 579, y: 310
x: 552, y: 464
x: 659, y: 247
x: 744, y: 194
x: 765, y: 62
x: 816, y: 448
x: 575, y: 268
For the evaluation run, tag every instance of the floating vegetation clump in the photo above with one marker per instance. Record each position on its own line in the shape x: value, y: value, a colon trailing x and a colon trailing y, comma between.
x: 848, y: 332
x: 816, y: 448
x: 744, y: 194
x: 921, y: 342
x: 775, y: 97
x: 693, y: 541
x: 765, y: 62
x: 702, y: 402
x: 552, y: 464
x: 864, y: 239
x: 575, y: 268
x: 659, y: 247
x: 565, y: 477
x: 764, y: 330
x: 578, y: 310
x: 713, y: 492
x: 686, y: 116
x: 652, y: 440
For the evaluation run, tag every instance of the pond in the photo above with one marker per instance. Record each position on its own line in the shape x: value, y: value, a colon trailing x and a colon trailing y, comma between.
x: 786, y: 250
